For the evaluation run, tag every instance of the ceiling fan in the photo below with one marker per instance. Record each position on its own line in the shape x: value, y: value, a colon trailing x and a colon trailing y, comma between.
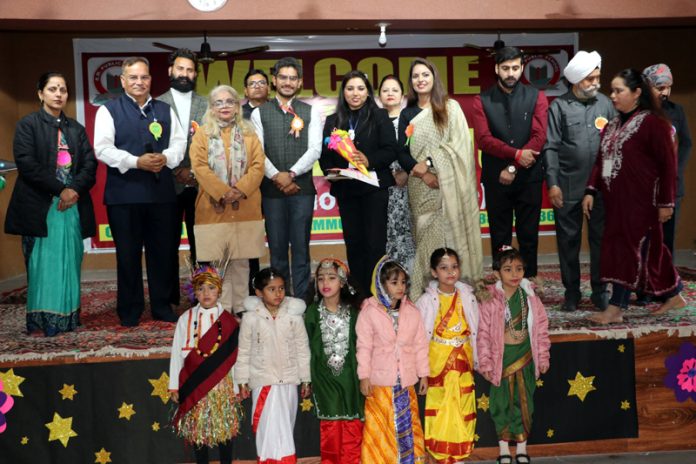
x: 500, y: 43
x: 206, y: 55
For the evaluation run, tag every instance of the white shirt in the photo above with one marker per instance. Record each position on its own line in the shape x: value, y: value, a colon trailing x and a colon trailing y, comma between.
x: 105, y: 136
x: 184, y: 342
x: 307, y: 160
x: 182, y: 102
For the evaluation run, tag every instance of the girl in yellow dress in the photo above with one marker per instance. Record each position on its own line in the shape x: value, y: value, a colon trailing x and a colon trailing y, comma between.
x: 450, y: 314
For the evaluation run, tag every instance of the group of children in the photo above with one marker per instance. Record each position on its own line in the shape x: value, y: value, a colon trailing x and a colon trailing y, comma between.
x: 366, y: 363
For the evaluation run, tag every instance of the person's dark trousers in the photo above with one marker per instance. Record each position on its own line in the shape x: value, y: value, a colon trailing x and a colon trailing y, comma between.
x: 524, y: 202
x: 669, y: 229
x: 185, y: 212
x: 225, y: 449
x: 132, y: 227
x: 254, y: 267
x: 364, y: 221
x: 569, y: 221
x: 289, y: 223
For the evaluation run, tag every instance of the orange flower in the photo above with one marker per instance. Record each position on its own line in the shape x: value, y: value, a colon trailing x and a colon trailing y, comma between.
x: 409, y: 133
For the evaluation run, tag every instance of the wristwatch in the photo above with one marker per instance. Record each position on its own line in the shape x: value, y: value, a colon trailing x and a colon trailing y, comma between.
x: 429, y: 163
x: 512, y: 169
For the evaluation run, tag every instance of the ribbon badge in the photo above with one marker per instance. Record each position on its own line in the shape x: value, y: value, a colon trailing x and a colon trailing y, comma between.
x: 155, y: 129
x: 296, y: 126
x: 600, y: 122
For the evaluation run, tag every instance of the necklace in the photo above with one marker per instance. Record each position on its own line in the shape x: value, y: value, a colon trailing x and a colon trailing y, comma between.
x: 335, y: 333
x: 195, y: 337
x: 520, y: 334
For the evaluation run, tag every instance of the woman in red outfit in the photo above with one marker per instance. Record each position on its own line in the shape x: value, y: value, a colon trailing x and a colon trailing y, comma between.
x: 636, y: 173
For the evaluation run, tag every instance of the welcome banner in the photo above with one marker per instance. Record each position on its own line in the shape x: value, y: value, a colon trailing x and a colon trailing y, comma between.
x: 465, y: 63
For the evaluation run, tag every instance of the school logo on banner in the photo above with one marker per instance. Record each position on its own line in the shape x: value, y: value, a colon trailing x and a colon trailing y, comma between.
x: 105, y: 82
x: 541, y: 71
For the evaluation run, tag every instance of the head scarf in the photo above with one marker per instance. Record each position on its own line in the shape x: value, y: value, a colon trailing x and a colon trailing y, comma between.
x: 377, y: 288
x: 582, y: 64
x: 658, y: 75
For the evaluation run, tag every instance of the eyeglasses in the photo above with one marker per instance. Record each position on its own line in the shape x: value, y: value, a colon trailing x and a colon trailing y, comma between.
x: 131, y: 78
x: 256, y: 84
x: 283, y: 78
x: 217, y: 104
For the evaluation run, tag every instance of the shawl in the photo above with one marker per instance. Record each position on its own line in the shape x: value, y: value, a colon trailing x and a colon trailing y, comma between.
x: 201, y: 373
x: 228, y: 170
x: 448, y: 216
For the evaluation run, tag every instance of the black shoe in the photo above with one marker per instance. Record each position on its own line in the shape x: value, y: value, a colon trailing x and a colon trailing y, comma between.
x: 569, y: 306
x: 527, y: 459
x: 600, y: 300
x: 129, y: 323
x: 504, y: 459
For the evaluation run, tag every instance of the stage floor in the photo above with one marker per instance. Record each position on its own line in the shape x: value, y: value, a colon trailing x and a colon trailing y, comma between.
x: 631, y: 409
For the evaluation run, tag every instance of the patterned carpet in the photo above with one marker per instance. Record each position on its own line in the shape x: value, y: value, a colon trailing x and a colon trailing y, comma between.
x: 101, y: 335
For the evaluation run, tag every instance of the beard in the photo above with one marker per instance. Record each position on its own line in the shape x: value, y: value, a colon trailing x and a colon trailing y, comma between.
x: 508, y: 83
x: 589, y: 92
x: 182, y: 84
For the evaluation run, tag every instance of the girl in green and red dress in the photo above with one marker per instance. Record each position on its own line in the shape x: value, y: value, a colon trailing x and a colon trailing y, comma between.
x: 330, y: 323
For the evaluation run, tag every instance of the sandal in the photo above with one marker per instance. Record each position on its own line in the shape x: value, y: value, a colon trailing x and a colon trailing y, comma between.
x: 504, y: 459
x: 527, y: 459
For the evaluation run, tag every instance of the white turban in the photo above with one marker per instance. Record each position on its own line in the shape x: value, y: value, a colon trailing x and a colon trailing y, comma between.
x: 581, y: 66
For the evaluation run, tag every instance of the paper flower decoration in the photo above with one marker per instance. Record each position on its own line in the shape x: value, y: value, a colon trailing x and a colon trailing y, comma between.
x: 681, y: 372
x: 340, y: 142
x: 409, y: 133
x: 6, y: 403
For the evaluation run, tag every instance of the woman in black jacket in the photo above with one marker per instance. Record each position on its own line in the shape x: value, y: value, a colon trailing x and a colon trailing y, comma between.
x: 51, y: 207
x: 363, y: 207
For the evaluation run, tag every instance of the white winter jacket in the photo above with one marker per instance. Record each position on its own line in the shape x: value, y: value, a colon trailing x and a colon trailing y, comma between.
x: 428, y: 304
x: 272, y: 351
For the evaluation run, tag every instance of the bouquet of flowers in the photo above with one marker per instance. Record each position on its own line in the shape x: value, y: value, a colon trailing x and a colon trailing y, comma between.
x: 340, y: 142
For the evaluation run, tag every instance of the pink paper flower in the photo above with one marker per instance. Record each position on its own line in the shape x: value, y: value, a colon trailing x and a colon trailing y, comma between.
x: 681, y: 372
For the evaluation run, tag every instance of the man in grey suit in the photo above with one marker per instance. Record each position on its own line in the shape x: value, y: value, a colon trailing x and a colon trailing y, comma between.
x: 576, y: 120
x: 189, y: 107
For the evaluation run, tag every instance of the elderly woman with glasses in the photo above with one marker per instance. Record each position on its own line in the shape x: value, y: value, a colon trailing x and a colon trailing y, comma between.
x: 227, y: 160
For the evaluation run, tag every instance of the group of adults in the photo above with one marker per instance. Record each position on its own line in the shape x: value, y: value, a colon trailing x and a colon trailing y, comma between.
x: 234, y: 173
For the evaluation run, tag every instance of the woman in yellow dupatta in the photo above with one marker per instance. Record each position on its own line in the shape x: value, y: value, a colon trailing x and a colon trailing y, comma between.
x: 437, y: 151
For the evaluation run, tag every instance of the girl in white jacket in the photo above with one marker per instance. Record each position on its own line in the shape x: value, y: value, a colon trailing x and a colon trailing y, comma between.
x: 273, y: 359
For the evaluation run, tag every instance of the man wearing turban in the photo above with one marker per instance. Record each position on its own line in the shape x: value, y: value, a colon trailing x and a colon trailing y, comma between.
x: 660, y: 78
x: 576, y: 120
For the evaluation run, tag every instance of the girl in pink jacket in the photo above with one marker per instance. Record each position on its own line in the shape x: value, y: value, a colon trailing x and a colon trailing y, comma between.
x: 513, y: 350
x: 392, y: 352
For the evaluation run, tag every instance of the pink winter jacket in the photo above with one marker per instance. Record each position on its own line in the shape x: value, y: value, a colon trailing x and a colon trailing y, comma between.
x: 382, y: 353
x: 491, y: 332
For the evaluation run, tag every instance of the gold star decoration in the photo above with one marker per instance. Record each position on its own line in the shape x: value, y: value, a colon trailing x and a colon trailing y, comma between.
x: 155, y: 426
x: 102, y: 457
x: 581, y: 386
x: 11, y: 382
x: 68, y: 392
x: 539, y: 383
x: 125, y: 411
x: 550, y: 432
x: 24, y: 440
x: 625, y: 405
x: 476, y: 437
x: 61, y: 429
x: 621, y: 348
x: 306, y: 405
x: 160, y: 387
x: 482, y: 402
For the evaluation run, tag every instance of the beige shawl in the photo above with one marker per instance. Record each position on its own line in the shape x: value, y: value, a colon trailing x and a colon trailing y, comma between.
x: 448, y: 216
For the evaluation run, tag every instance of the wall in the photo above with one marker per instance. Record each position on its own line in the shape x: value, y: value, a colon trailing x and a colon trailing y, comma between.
x: 27, y: 55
